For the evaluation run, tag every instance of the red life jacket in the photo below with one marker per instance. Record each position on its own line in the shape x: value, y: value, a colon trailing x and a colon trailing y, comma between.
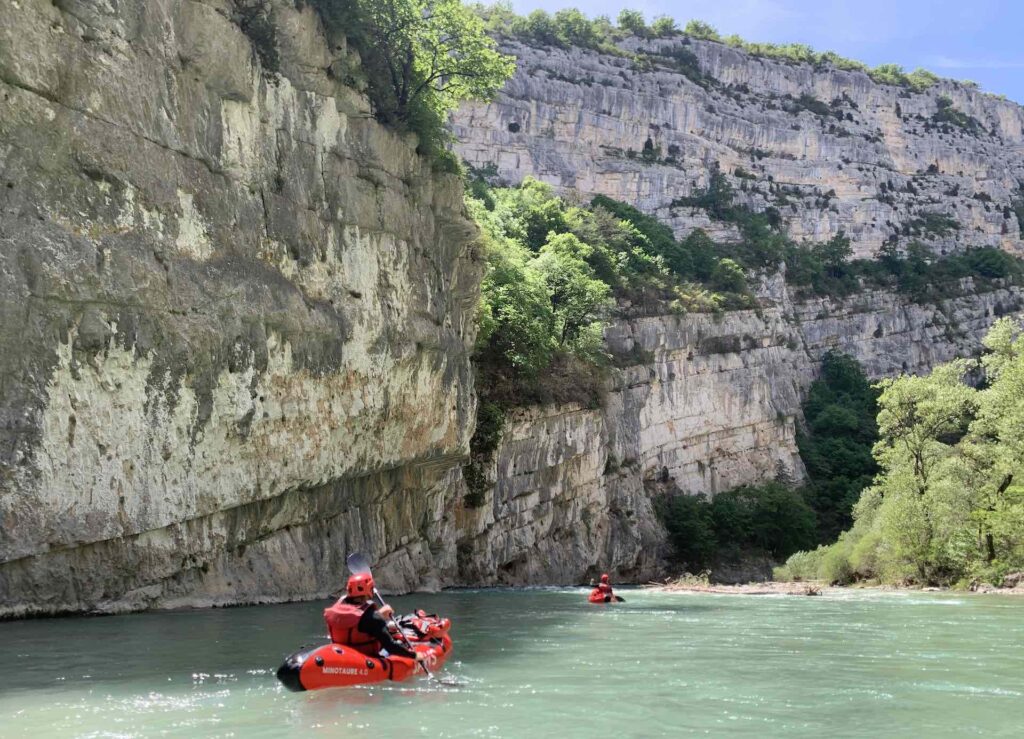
x: 343, y: 625
x: 605, y: 588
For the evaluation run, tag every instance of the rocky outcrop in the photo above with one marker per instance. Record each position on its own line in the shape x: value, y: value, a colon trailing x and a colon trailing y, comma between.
x: 710, y: 402
x: 830, y: 149
x: 704, y: 403
x: 235, y: 313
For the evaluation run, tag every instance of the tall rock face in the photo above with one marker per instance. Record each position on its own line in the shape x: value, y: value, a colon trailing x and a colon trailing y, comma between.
x: 830, y: 149
x: 705, y: 403
x: 235, y: 313
x: 702, y: 403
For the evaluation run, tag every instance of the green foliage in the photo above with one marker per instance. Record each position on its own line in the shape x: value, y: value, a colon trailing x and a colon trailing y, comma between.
x: 690, y: 524
x: 664, y: 26
x: 702, y: 30
x: 490, y: 423
x: 579, y: 300
x: 770, y: 519
x: 575, y: 29
x: 932, y: 224
x: 541, y: 28
x: 921, y: 79
x: 948, y: 504
x: 553, y: 271
x: 827, y: 269
x: 632, y: 21
x: 257, y: 26
x: 421, y: 58
x: 889, y: 74
x: 836, y: 444
x: 946, y: 112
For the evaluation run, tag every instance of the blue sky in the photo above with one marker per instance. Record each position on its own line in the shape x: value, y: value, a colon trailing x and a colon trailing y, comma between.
x: 977, y: 40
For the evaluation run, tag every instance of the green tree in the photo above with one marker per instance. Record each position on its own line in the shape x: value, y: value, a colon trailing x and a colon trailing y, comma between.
x: 516, y: 319
x: 836, y: 443
x: 579, y: 300
x: 664, y: 26
x: 541, y: 28
x: 702, y: 30
x: 835, y: 254
x: 574, y: 28
x: 421, y: 58
x: 632, y: 21
x: 728, y: 276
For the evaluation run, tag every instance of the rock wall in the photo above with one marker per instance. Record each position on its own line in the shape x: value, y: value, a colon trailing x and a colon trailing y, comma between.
x: 831, y: 150
x: 713, y: 404
x: 235, y: 313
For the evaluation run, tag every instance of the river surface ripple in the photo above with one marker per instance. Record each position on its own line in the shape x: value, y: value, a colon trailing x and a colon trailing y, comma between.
x: 544, y: 662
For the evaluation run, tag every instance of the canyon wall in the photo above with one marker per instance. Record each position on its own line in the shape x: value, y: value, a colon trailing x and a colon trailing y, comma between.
x: 830, y: 149
x: 706, y: 403
x: 236, y: 313
x: 711, y: 402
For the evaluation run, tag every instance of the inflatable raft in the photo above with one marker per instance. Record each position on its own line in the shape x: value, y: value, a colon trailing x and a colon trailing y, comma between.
x: 338, y: 665
x: 596, y: 596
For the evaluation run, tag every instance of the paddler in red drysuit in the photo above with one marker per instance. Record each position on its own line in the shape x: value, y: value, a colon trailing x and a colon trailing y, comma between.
x: 357, y: 622
x: 604, y: 588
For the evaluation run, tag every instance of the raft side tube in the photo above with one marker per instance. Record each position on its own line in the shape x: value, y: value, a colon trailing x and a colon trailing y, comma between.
x: 288, y: 672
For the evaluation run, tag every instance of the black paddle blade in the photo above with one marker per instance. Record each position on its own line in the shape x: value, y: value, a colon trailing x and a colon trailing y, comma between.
x: 358, y: 565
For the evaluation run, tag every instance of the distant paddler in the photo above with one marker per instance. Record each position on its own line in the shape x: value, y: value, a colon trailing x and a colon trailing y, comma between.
x: 603, y: 593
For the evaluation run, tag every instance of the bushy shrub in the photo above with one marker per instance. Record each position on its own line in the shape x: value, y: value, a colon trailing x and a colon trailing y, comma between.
x: 946, y: 112
x: 632, y: 21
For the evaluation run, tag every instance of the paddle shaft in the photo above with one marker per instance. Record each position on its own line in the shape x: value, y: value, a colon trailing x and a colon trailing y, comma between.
x: 408, y: 644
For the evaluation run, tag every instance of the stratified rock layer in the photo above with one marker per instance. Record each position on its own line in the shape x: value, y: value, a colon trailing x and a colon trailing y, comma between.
x: 236, y: 314
x: 831, y: 150
x: 710, y: 402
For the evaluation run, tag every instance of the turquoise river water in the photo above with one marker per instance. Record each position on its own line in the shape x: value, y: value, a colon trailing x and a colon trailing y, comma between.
x: 544, y: 663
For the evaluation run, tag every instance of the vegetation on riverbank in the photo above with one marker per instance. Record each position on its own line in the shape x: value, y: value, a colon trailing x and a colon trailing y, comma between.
x: 777, y: 519
x: 947, y: 506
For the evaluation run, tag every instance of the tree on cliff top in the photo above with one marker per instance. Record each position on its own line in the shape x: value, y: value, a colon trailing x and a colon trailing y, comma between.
x: 421, y: 58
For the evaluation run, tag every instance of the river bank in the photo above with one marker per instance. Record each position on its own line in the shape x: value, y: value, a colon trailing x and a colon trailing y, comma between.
x: 693, y: 584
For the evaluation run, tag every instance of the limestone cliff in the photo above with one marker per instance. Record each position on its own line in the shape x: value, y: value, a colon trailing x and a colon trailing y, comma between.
x: 711, y: 402
x: 236, y: 313
x: 830, y: 149
x: 705, y: 402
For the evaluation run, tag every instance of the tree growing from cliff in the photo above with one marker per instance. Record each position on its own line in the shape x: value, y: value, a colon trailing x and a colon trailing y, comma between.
x: 421, y: 58
x: 632, y: 21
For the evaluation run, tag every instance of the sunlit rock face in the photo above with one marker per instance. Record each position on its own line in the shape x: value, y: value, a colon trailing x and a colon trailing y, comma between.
x: 235, y: 314
x: 831, y: 150
x: 710, y: 402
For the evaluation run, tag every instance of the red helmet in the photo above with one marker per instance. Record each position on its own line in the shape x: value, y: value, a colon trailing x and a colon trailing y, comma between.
x: 604, y: 578
x: 360, y: 584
